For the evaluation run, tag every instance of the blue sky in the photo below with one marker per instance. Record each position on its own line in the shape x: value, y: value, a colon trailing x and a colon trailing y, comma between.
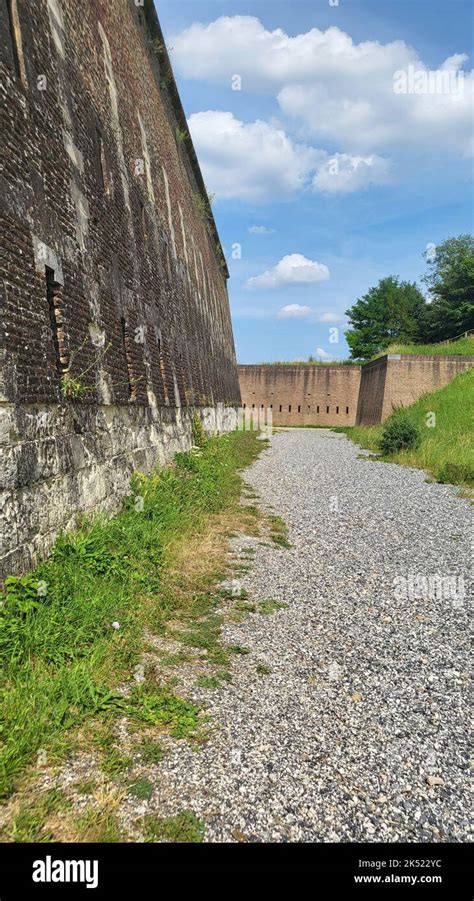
x: 346, y: 179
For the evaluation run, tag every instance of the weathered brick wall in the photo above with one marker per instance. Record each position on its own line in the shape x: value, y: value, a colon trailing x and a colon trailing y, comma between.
x: 302, y: 394
x: 345, y: 395
x: 411, y: 375
x: 116, y: 318
x: 398, y: 380
x: 372, y: 392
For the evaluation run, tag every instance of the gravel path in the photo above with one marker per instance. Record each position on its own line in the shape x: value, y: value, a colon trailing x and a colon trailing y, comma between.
x: 358, y: 732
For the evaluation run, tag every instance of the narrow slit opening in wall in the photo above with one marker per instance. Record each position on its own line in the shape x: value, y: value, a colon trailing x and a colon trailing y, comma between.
x: 16, y: 41
x: 299, y: 408
x: 347, y: 410
x: 289, y: 408
x: 317, y: 409
x: 280, y: 408
x: 128, y: 358
x: 327, y: 409
x: 337, y: 409
x: 55, y: 318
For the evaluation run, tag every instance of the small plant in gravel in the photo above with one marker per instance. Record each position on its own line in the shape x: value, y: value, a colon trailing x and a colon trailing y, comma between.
x: 184, y: 827
x: 140, y: 788
x: 151, y: 751
x: 86, y: 787
x: 215, y: 680
x: 270, y: 606
x: 399, y: 433
x: 238, y: 649
x: 247, y: 606
x: 161, y: 707
x: 278, y: 531
x: 262, y: 669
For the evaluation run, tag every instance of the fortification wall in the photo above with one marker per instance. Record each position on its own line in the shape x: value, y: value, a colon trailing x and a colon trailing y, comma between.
x: 116, y: 315
x: 345, y: 395
x: 411, y: 375
x: 302, y: 394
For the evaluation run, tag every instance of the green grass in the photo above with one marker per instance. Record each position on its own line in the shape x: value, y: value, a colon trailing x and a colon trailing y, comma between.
x: 447, y: 449
x: 28, y: 825
x: 151, y: 751
x: 140, y: 788
x: 278, y: 531
x: 60, y: 656
x: 184, y: 827
x: 464, y: 347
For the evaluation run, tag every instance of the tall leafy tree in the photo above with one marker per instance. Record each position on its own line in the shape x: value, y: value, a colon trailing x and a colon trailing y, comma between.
x: 392, y: 311
x: 450, y: 282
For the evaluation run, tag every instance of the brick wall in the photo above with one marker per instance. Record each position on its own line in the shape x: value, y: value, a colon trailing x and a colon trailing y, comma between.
x: 372, y: 392
x: 345, y: 395
x: 116, y: 318
x: 396, y: 380
x: 302, y: 394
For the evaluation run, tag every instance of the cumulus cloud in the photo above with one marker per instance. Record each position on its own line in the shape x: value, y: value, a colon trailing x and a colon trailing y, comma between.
x: 253, y: 161
x: 260, y: 230
x: 339, y: 89
x: 294, y: 311
x: 343, y: 173
x: 257, y: 161
x: 292, y: 269
x: 331, y: 317
x: 322, y: 354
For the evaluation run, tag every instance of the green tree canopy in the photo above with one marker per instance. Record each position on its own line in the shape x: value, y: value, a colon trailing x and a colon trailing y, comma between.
x: 392, y: 311
x: 450, y: 282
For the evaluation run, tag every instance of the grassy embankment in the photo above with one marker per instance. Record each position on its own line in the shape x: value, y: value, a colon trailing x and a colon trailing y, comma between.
x: 462, y: 347
x: 77, y: 627
x: 446, y: 449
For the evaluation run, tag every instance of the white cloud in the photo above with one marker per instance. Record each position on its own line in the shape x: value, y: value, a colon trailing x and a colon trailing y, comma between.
x: 292, y: 269
x: 260, y: 230
x: 294, y: 311
x: 257, y: 161
x: 322, y: 354
x: 339, y: 89
x: 331, y: 317
x: 253, y: 161
x: 343, y: 173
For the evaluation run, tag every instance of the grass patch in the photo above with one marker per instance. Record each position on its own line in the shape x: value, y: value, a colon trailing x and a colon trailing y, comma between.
x: 184, y: 827
x: 446, y: 448
x: 463, y: 347
x: 270, y: 606
x: 73, y: 629
x: 99, y: 825
x: 151, y: 751
x: 215, y: 680
x: 140, y: 788
x: 29, y: 824
x: 262, y: 669
x: 278, y: 531
x: 86, y: 787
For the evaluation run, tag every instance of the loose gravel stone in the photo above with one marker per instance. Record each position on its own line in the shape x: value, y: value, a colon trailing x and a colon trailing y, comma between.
x: 354, y: 728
